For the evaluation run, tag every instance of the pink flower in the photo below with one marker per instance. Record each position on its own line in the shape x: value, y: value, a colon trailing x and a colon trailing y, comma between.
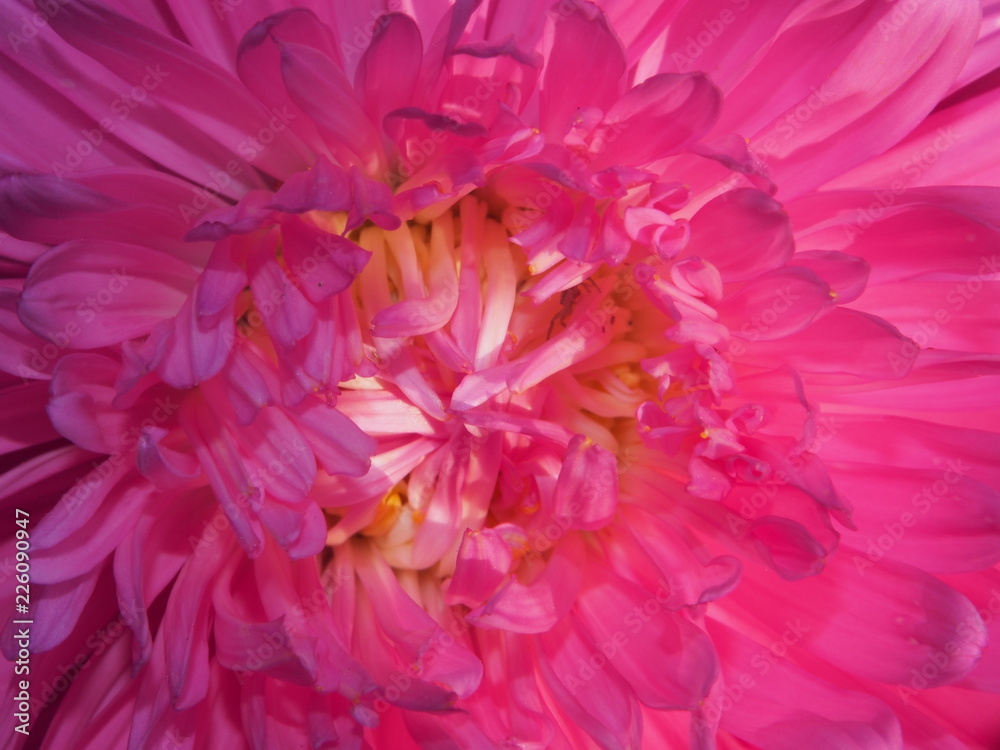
x: 491, y: 375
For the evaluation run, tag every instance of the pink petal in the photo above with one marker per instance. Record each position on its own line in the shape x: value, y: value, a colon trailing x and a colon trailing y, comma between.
x: 56, y: 608
x: 667, y: 661
x: 226, y: 473
x: 323, y: 264
x: 768, y: 701
x: 845, y: 341
x: 386, y: 77
x: 943, y: 522
x: 742, y: 233
x: 814, y: 104
x: 484, y: 560
x: 846, y: 275
x: 775, y: 304
x: 197, y: 126
x: 286, y: 312
x: 598, y: 701
x: 340, y: 446
x: 586, y: 492
x: 880, y: 621
x: 325, y: 187
x: 536, y: 606
x: 661, y: 116
x: 97, y: 294
x: 584, y: 48
x: 251, y: 213
x: 312, y: 77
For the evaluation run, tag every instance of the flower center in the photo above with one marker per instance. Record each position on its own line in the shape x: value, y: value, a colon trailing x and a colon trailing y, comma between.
x: 492, y: 368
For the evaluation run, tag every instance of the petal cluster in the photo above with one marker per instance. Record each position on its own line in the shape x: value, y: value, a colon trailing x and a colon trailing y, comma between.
x: 491, y: 375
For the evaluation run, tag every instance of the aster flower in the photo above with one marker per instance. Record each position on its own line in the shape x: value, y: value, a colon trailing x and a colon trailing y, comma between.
x: 497, y: 375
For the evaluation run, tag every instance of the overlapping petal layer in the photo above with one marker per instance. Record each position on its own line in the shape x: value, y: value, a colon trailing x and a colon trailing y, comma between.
x: 494, y: 375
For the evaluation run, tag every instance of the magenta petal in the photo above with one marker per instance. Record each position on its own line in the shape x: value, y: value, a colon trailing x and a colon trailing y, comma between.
x: 239, y: 643
x: 191, y: 348
x: 190, y: 615
x: 22, y: 351
x: 807, y: 708
x: 325, y: 187
x: 914, y: 70
x: 662, y: 115
x: 788, y: 547
x: 386, y: 77
x: 484, y: 560
x: 668, y: 661
x: 954, y: 531
x: 95, y: 294
x: 536, y: 606
x: 312, y: 77
x: 123, y: 204
x: 372, y: 200
x: 775, y: 304
x: 742, y: 233
x: 226, y: 473
x: 81, y: 408
x: 87, y: 548
x: 586, y: 492
x: 340, y: 446
x: 77, y: 506
x: 411, y: 630
x: 598, y: 702
x: 19, y: 406
x: 846, y: 275
x: 258, y: 64
x: 163, y: 466
x: 203, y: 115
x: 844, y: 341
x: 288, y: 315
x: 246, y: 216
x: 584, y: 48
x: 880, y: 620
x: 220, y: 282
x: 322, y: 264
